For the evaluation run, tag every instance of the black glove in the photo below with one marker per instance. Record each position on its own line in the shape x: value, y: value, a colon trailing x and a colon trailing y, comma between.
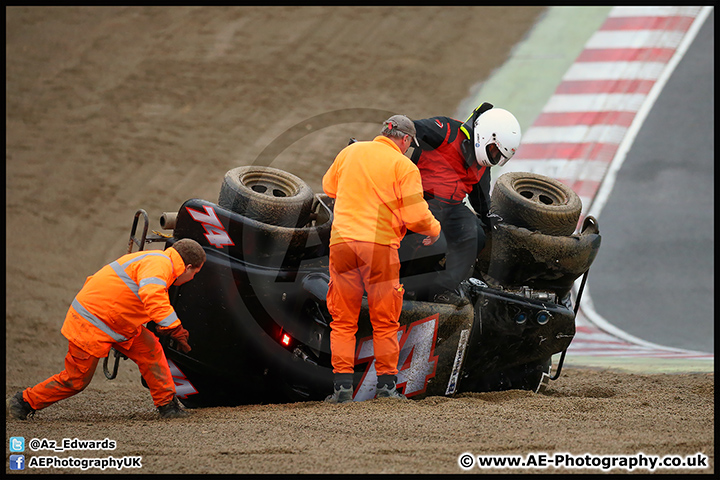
x: 180, y: 335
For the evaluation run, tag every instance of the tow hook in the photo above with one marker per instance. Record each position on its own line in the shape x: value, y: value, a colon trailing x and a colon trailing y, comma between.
x: 116, y: 365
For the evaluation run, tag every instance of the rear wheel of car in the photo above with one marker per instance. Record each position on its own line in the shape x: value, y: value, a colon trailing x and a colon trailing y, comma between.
x: 536, y: 202
x: 267, y: 195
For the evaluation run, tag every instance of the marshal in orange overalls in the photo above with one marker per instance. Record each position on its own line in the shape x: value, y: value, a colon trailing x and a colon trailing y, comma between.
x: 378, y: 196
x: 110, y: 312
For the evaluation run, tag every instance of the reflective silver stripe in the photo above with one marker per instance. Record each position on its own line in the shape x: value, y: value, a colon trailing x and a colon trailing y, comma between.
x: 169, y: 320
x: 96, y: 321
x: 153, y: 281
x: 120, y: 271
x: 133, y: 260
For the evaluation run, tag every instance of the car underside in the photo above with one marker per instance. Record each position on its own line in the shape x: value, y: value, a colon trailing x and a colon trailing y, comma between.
x: 259, y: 324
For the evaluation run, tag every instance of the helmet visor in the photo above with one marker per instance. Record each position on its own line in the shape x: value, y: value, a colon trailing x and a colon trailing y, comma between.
x: 494, y: 154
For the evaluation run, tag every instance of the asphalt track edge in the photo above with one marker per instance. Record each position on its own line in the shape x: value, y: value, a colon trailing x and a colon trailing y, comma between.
x: 555, y: 42
x: 638, y: 364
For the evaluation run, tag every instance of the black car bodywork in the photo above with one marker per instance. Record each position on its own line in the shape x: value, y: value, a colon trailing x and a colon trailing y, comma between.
x: 260, y: 329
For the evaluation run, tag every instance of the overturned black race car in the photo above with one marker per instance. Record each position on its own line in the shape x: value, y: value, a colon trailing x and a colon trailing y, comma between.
x: 257, y: 316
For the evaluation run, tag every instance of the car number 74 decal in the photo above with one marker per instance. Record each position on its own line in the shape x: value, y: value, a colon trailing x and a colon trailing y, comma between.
x: 183, y: 387
x: 215, y: 232
x: 416, y: 365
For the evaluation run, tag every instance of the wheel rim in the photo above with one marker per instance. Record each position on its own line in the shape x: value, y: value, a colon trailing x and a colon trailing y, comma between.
x: 540, y: 193
x: 270, y: 185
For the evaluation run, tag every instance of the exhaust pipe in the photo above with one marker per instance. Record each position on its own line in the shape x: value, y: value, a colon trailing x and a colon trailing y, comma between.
x: 167, y: 220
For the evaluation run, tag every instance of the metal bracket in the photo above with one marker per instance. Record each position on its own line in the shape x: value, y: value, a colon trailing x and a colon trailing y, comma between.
x: 577, y: 308
x: 140, y: 242
x: 145, y: 238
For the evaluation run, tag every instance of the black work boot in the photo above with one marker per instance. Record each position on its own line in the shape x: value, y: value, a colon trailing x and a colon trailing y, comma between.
x: 386, y: 387
x: 18, y: 408
x: 172, y: 410
x: 342, y: 389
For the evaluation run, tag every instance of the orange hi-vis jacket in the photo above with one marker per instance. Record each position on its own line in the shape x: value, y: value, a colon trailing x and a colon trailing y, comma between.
x: 122, y: 296
x: 378, y: 195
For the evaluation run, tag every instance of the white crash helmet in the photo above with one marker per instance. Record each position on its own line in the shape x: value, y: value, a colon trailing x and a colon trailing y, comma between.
x: 496, y: 137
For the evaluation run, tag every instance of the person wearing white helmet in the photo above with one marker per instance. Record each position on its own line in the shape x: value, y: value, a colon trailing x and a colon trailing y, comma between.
x: 496, y: 136
x: 454, y: 159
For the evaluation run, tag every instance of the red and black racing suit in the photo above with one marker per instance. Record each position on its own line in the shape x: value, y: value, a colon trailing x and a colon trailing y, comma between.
x: 446, y: 179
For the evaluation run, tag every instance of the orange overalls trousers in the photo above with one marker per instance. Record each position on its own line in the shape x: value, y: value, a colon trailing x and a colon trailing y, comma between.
x: 145, y: 350
x: 356, y: 267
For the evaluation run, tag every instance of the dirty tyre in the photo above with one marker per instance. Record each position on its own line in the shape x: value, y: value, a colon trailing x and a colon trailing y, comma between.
x: 516, y: 256
x: 536, y: 202
x: 267, y: 195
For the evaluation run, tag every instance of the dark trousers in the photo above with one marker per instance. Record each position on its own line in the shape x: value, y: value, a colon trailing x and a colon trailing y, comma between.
x: 427, y: 270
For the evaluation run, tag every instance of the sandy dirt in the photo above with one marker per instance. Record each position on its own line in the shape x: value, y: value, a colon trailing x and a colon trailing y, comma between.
x: 114, y: 109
